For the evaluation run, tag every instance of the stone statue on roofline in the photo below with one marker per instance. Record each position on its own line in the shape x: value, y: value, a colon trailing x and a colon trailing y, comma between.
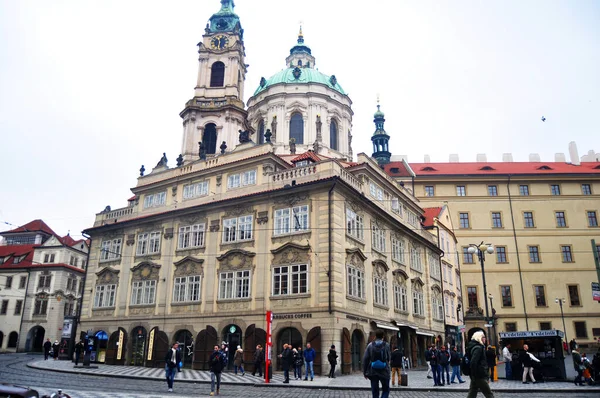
x: 293, y: 146
x: 244, y: 136
x: 163, y: 161
x: 274, y: 128
x: 201, y: 151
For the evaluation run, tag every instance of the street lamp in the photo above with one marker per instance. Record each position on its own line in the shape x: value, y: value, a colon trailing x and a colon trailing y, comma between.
x: 493, y: 320
x: 481, y: 249
x: 560, y: 301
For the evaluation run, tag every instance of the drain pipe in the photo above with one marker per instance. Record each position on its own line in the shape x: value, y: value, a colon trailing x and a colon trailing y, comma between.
x: 512, y: 215
x: 23, y: 311
x: 330, y: 201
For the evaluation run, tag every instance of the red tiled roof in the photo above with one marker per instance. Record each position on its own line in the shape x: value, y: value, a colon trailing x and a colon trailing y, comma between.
x: 16, y: 251
x: 493, y: 168
x: 430, y: 214
x: 29, y: 264
x: 308, y: 155
x: 33, y: 226
x: 67, y: 240
x: 132, y: 198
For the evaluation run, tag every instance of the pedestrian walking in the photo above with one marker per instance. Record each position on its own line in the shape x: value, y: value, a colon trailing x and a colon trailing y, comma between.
x: 47, y: 348
x: 309, y: 358
x: 578, y: 365
x: 376, y: 365
x: 55, y: 349
x: 427, y: 359
x: 172, y: 361
x: 490, y: 356
x: 298, y: 362
x: 287, y: 358
x: 225, y: 354
x: 396, y: 365
x: 572, y: 345
x: 527, y: 359
x: 259, y: 359
x: 332, y: 358
x: 507, y: 361
x: 444, y: 365
x: 479, y: 372
x: 238, y: 361
x: 216, y: 364
x: 78, y: 349
x: 455, y: 363
x: 435, y: 368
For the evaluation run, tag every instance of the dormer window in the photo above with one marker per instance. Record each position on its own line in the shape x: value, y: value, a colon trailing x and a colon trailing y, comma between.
x: 487, y: 168
x: 428, y: 168
x: 303, y: 163
x: 18, y: 259
x: 544, y: 168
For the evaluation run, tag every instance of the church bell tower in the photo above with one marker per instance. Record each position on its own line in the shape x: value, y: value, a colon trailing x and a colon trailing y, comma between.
x: 380, y: 138
x: 216, y: 113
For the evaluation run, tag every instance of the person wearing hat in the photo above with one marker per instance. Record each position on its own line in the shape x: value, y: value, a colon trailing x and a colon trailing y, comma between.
x: 479, y: 368
x: 55, y: 349
x: 332, y: 358
x: 238, y: 360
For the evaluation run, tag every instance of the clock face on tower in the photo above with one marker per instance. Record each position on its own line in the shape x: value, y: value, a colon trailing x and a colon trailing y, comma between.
x: 219, y: 42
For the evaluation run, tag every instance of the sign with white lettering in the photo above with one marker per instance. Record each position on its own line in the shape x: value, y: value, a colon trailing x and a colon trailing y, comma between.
x: 534, y: 333
x: 292, y: 316
x: 596, y: 291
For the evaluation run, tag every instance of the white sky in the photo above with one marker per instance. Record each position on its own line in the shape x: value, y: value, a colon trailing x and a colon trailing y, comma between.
x: 91, y: 90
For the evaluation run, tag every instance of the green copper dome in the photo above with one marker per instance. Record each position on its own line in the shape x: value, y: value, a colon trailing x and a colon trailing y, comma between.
x: 300, y: 76
x: 225, y: 20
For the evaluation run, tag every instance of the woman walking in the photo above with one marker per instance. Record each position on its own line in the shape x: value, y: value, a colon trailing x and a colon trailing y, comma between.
x: 238, y: 361
x: 332, y: 358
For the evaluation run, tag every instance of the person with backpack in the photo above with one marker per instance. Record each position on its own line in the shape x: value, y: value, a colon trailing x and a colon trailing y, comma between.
x: 455, y: 363
x: 376, y: 365
x: 444, y: 365
x: 396, y: 365
x: 216, y: 363
x: 477, y: 366
x: 435, y: 367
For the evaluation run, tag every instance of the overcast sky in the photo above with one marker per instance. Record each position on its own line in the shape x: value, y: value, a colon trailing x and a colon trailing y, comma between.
x: 91, y: 90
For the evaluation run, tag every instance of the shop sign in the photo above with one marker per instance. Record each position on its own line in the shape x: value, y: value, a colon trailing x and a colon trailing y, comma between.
x: 356, y: 318
x: 292, y: 316
x: 67, y: 328
x: 538, y: 333
x: 596, y: 291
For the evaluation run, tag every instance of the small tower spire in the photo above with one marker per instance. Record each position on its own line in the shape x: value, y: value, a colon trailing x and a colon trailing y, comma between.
x: 380, y: 138
x: 300, y: 36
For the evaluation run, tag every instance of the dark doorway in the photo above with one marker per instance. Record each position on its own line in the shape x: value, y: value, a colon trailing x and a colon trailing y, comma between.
x: 209, y: 139
x: 203, y: 347
x: 357, y: 344
x: 232, y: 335
x: 138, y: 346
x: 186, y: 346
x: 100, y: 346
x: 115, y: 350
x: 35, y: 339
x: 288, y: 336
x: 1, y: 339
x: 13, y: 337
x: 253, y: 337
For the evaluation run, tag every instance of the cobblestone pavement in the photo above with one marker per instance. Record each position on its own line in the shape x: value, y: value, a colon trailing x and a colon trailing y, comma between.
x: 13, y: 369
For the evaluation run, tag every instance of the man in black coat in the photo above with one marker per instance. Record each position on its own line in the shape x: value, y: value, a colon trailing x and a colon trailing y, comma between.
x: 259, y: 359
x: 490, y: 356
x: 47, y: 347
x: 216, y: 363
x: 78, y: 351
x: 172, y: 360
x: 479, y: 368
x: 396, y: 365
x: 444, y: 365
x: 286, y: 362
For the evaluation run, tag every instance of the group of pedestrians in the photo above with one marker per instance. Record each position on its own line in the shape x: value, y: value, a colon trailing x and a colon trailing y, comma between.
x: 439, y: 362
x: 296, y: 357
x: 50, y: 348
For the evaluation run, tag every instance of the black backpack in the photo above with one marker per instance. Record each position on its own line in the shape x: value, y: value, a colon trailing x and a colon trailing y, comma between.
x: 465, y: 364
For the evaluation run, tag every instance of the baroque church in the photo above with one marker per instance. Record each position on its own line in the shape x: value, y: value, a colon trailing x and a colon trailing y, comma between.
x: 265, y: 210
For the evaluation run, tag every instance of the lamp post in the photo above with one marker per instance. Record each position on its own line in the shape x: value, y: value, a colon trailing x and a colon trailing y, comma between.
x: 481, y: 249
x: 560, y: 301
x: 493, y: 320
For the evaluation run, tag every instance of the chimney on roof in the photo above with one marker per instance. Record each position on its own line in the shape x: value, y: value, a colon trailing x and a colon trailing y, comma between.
x: 507, y: 157
x: 481, y: 157
x: 573, y: 154
x: 453, y: 158
x: 560, y: 158
x: 427, y: 159
x: 534, y: 157
x: 399, y: 158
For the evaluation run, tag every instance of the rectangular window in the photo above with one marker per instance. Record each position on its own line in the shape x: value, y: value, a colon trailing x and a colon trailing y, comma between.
x: 524, y: 190
x: 496, y: 220
x: 18, y: 307
x: 380, y: 291
x: 237, y: 229
x: 290, y: 279
x: 567, y: 255
x: 528, y: 219
x: 356, y: 282
x: 580, y: 330
x: 376, y: 191
x: 44, y: 281
x: 561, y: 221
x: 40, y: 307
x: 143, y: 292
x: 492, y: 190
x: 396, y: 208
x: 467, y: 257
x: 291, y: 220
x: 72, y: 261
x: 400, y: 298
x: 418, y: 303
x: 242, y: 179
x: 49, y: 258
x: 429, y: 190
x: 472, y: 296
x: 415, y: 259
x: 506, y: 296
x: 22, y: 282
x: 8, y: 283
x: 461, y: 190
x: 191, y: 236
x: 105, y: 296
x: 464, y: 220
x: 501, y: 254
x: 148, y: 243
x: 187, y: 289
x: 555, y: 189
x: 4, y: 307
x: 413, y: 219
x: 510, y: 326
x: 540, y: 295
x: 586, y: 189
x: 398, y: 250
x: 234, y: 285
x: 545, y: 325
x: 354, y: 224
x: 378, y: 238
x: 434, y: 266
x: 592, y: 219
x: 195, y: 190
x: 534, y: 254
x: 574, y: 295
x: 155, y: 199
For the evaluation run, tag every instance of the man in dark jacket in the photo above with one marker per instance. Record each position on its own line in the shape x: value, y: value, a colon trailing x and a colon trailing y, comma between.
x: 396, y: 365
x: 287, y: 359
x: 47, y: 347
x: 216, y: 364
x: 78, y: 350
x: 444, y: 365
x: 527, y: 359
x: 332, y: 358
x: 455, y: 363
x: 479, y: 368
x: 172, y: 360
x: 376, y: 366
x: 490, y: 356
x: 309, y: 358
x: 259, y: 359
x: 435, y: 368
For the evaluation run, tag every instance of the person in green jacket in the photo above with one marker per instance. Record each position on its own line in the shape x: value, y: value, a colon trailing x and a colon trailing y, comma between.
x: 479, y: 367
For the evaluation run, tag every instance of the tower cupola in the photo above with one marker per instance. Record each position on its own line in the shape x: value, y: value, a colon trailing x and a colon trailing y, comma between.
x: 380, y: 138
x: 300, y: 55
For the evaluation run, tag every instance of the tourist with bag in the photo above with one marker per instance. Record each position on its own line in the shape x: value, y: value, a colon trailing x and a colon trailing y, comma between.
x: 376, y: 365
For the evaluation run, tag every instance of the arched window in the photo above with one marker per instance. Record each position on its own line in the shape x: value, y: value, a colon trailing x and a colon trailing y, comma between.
x: 261, y: 132
x: 217, y: 74
x: 299, y: 62
x: 297, y: 128
x: 209, y: 138
x: 333, y: 135
x: 13, y: 337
